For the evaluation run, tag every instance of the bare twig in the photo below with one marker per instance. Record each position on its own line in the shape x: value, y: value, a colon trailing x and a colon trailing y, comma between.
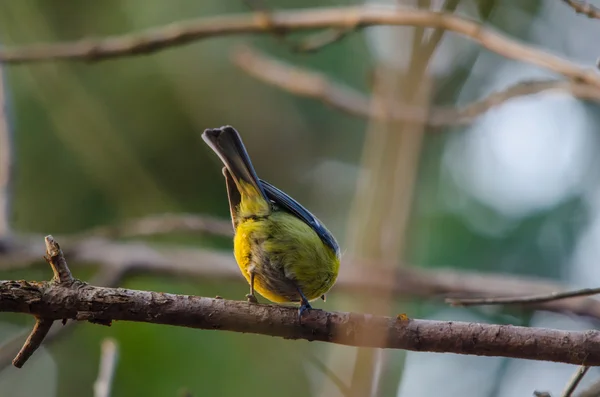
x: 85, y: 302
x: 62, y: 278
x: 574, y: 381
x: 33, y: 342
x: 305, y: 19
x: 56, y: 259
x: 108, y: 362
x: 306, y: 83
x: 554, y: 296
x: 584, y: 7
x: 108, y: 276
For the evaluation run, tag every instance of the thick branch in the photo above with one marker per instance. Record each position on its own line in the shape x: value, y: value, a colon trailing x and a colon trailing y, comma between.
x: 311, y: 84
x: 86, y: 302
x: 356, y: 276
x: 295, y: 20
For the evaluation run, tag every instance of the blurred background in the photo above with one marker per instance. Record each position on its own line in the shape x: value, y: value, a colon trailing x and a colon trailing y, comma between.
x: 515, y: 191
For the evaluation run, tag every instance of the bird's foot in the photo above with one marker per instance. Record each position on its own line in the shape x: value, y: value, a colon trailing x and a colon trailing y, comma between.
x: 251, y: 298
x: 305, y: 306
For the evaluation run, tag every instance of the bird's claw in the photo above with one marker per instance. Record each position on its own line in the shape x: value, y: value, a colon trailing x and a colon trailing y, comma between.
x: 305, y: 306
x: 251, y: 298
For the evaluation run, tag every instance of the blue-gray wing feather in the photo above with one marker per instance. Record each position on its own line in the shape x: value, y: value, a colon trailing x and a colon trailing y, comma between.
x: 286, y: 203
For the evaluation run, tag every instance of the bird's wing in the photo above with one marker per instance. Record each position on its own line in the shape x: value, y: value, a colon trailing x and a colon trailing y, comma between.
x: 288, y: 204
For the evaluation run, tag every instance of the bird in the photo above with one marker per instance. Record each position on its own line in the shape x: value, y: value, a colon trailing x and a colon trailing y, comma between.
x: 283, y: 251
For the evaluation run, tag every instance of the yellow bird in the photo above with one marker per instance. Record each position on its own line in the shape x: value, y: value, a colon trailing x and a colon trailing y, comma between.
x: 285, y: 253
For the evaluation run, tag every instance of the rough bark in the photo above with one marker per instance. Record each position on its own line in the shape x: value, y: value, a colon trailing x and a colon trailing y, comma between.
x: 80, y: 301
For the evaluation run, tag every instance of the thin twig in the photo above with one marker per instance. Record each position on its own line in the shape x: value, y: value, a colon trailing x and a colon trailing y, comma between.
x: 33, y: 342
x: 63, y: 278
x: 109, y: 277
x: 108, y: 363
x: 554, y: 296
x: 584, y: 7
x: 306, y: 83
x: 153, y: 40
x: 56, y: 259
x: 574, y: 381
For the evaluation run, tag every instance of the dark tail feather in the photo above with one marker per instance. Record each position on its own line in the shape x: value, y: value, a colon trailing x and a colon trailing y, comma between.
x: 227, y: 143
x: 233, y: 195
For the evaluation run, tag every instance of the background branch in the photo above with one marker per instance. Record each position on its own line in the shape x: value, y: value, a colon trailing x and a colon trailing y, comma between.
x: 156, y: 39
x: 108, y: 362
x: 575, y: 380
x: 306, y: 83
x: 523, y: 299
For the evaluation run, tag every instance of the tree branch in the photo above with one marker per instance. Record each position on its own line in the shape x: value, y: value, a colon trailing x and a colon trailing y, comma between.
x: 82, y: 302
x: 156, y: 39
x: 584, y: 7
x: 357, y: 276
x: 307, y: 83
x: 554, y: 296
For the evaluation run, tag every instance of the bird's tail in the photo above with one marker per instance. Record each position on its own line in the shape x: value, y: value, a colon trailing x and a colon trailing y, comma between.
x: 227, y: 144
